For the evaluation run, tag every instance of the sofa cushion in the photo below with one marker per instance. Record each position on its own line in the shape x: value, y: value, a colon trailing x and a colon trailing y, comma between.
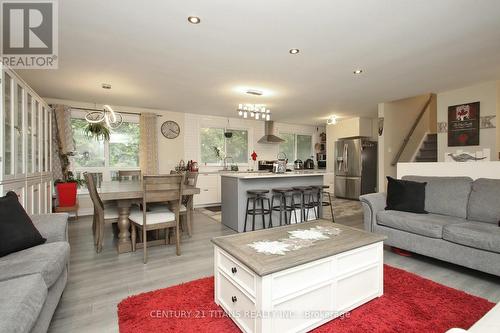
x: 430, y: 225
x: 49, y: 260
x: 446, y: 195
x: 484, y: 236
x: 21, y: 301
x: 405, y: 196
x: 484, y: 201
x: 17, y: 231
x: 53, y: 227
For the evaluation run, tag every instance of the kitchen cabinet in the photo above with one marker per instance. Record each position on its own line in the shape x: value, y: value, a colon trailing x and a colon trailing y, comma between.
x: 25, y: 145
x: 210, y: 194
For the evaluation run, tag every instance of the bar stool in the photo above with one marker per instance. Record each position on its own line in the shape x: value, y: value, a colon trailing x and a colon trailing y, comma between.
x: 316, y: 202
x: 305, y: 194
x: 329, y: 202
x: 257, y: 197
x: 282, y: 194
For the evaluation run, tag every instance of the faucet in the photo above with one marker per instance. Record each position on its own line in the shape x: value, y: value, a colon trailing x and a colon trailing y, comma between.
x: 225, y: 168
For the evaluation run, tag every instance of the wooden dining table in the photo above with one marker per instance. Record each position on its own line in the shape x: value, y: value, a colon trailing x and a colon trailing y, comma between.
x: 128, y: 192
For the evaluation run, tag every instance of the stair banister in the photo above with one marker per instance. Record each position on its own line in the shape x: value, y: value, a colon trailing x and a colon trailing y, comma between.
x: 410, y: 133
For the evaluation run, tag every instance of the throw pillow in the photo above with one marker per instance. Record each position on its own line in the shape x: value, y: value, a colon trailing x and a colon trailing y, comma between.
x: 405, y: 196
x: 17, y: 231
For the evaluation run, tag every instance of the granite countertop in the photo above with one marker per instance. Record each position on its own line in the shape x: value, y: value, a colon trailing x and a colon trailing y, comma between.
x: 264, y: 264
x: 295, y: 173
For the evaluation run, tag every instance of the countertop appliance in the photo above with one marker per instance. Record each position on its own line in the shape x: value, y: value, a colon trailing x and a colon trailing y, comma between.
x: 298, y: 165
x: 322, y: 164
x: 355, y: 167
x: 266, y: 165
x: 309, y: 164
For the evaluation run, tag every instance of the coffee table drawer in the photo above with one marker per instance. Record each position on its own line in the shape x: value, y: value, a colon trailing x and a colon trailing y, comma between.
x: 355, y: 259
x: 236, y: 303
x: 237, y: 272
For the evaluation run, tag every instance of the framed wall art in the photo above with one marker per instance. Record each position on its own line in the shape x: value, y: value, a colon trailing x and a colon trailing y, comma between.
x: 463, y: 125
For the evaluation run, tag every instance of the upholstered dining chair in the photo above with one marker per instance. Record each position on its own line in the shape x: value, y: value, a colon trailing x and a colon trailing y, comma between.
x: 129, y: 174
x: 102, y: 213
x: 158, y: 189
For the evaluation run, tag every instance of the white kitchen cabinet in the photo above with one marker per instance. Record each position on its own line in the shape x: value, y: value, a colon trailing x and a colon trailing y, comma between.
x: 25, y: 143
x: 209, y: 185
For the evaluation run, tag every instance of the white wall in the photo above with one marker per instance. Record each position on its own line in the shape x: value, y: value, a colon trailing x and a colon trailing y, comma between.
x: 194, y: 122
x: 487, y: 94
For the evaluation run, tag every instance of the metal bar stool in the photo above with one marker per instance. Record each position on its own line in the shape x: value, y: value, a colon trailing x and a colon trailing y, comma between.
x: 329, y: 202
x: 282, y: 194
x: 316, y: 202
x: 257, y: 197
x: 305, y: 194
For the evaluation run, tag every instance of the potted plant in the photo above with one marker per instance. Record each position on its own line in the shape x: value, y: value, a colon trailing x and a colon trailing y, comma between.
x: 99, y: 131
x: 66, y: 190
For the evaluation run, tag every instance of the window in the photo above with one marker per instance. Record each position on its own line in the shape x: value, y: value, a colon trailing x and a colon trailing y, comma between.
x: 103, y: 157
x: 213, y: 140
x: 296, y: 146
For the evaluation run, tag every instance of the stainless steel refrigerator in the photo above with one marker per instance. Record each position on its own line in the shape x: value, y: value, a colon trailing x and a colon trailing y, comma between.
x: 355, y: 168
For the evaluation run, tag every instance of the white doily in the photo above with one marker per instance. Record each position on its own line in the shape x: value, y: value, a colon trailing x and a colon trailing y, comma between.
x: 271, y: 247
x: 296, y: 240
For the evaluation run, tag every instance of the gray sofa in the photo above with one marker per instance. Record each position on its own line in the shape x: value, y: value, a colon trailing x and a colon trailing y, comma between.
x: 32, y: 280
x: 461, y: 227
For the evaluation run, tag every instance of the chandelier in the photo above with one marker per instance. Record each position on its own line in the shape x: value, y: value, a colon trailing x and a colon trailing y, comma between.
x: 256, y: 111
x: 112, y: 119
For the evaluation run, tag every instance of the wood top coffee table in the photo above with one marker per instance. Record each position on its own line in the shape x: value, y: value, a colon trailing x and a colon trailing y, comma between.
x: 297, y: 277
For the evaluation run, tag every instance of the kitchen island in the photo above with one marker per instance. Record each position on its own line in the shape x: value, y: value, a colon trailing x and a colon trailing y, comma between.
x: 234, y: 187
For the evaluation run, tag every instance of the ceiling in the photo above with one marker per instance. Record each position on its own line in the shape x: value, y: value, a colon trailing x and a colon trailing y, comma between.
x: 154, y: 58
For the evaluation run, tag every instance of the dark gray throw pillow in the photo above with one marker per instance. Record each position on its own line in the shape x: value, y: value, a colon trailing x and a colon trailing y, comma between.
x: 17, y: 231
x: 405, y: 196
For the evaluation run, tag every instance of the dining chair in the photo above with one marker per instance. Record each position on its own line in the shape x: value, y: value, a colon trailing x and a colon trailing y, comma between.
x: 129, y: 174
x: 191, y: 179
x: 158, y: 189
x: 102, y: 213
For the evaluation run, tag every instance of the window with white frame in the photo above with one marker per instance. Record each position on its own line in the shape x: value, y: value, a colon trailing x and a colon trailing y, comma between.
x: 214, y: 146
x: 296, y: 146
x: 105, y: 158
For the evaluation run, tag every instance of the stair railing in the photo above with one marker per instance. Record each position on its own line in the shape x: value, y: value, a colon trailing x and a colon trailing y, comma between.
x: 396, y: 158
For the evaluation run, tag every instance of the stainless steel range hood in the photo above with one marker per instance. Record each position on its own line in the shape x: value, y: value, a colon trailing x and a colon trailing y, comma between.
x: 269, y: 136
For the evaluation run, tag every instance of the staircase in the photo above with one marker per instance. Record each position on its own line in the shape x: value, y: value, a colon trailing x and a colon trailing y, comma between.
x: 428, y: 149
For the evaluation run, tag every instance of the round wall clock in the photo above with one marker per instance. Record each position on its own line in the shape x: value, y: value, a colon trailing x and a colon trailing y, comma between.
x: 170, y: 129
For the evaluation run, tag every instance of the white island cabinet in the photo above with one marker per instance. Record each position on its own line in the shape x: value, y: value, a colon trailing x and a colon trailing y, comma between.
x: 25, y: 144
x: 301, y: 289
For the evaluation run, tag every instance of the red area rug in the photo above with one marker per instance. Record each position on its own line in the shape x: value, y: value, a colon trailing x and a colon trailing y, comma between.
x: 409, y: 304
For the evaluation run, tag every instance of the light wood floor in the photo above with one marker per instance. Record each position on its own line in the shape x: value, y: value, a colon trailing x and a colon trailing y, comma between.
x: 98, y: 282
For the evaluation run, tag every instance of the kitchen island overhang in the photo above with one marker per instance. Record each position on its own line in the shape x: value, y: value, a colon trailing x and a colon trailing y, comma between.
x: 234, y: 187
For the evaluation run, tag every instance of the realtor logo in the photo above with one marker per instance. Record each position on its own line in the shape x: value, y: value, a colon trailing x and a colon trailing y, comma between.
x: 29, y: 37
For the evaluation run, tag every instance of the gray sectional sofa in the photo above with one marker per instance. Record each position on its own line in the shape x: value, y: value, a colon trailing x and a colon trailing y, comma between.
x: 461, y: 227
x: 32, y: 280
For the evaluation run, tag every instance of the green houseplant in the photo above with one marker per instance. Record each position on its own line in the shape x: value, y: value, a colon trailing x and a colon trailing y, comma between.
x: 98, y: 131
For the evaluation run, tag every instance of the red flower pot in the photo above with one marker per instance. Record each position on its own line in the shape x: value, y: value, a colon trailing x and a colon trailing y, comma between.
x: 66, y: 193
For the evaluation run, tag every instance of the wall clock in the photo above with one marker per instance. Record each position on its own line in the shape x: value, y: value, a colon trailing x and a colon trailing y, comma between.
x: 170, y: 129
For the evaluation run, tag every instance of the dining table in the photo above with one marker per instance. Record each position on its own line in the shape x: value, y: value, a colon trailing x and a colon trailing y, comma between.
x: 126, y: 193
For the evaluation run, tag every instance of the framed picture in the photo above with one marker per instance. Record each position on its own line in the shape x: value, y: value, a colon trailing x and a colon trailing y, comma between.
x: 463, y: 125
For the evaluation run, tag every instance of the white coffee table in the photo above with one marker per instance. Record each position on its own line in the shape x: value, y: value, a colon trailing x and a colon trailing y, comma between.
x: 301, y: 289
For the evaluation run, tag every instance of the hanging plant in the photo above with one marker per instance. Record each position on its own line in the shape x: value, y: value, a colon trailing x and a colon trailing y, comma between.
x: 98, y: 131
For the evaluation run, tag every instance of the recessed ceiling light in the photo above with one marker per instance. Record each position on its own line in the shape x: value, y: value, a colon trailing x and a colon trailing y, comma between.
x: 254, y: 92
x: 294, y: 51
x: 106, y: 86
x: 358, y: 71
x: 194, y: 19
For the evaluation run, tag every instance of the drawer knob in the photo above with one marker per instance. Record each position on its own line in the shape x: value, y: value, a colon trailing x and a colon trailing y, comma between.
x: 234, y: 299
x: 234, y: 270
